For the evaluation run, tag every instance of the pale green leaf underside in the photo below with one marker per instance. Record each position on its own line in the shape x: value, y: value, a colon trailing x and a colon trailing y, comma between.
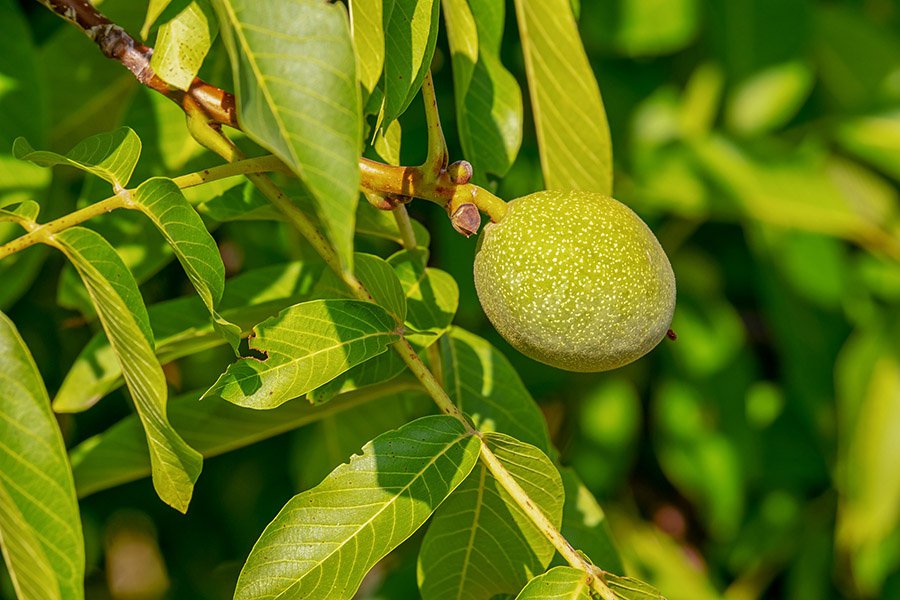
x: 480, y: 542
x: 114, y: 293
x: 306, y: 346
x: 111, y: 156
x: 324, y: 541
x: 40, y: 527
x: 297, y: 96
x: 559, y: 583
x: 572, y: 131
x: 409, y: 47
x: 488, y: 98
x: 119, y: 454
x: 162, y: 201
x: 182, y: 44
x: 487, y: 388
x: 182, y: 327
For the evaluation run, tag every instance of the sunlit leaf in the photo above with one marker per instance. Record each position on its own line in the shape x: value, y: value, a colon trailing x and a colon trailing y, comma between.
x: 770, y: 98
x: 40, y: 527
x: 380, y: 279
x: 297, y: 96
x: 480, y: 542
x: 488, y: 98
x: 410, y: 34
x: 573, y: 135
x: 182, y: 44
x: 154, y: 9
x: 119, y: 454
x: 325, y: 540
x: 120, y: 307
x: 303, y: 347
x: 559, y: 583
x: 487, y: 388
x: 367, y: 24
x: 111, y: 156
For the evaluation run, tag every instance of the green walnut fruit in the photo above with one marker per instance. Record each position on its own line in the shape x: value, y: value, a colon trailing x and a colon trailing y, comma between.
x: 575, y: 280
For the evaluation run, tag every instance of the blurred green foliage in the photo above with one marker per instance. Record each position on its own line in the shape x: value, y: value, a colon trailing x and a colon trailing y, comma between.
x: 758, y: 456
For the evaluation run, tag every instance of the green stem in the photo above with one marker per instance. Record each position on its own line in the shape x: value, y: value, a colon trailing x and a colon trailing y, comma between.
x: 438, y: 156
x: 260, y: 164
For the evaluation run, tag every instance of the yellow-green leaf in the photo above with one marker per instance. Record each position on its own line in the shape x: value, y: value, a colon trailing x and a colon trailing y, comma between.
x: 182, y: 44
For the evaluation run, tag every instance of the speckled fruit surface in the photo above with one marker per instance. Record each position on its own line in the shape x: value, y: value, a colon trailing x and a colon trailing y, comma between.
x: 575, y: 280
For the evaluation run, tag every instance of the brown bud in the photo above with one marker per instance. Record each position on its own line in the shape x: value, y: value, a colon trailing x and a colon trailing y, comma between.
x: 672, y: 335
x: 460, y: 172
x: 466, y: 219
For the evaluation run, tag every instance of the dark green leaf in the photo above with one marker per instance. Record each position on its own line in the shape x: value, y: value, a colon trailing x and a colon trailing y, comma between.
x: 488, y: 98
x: 40, y: 527
x: 213, y: 427
x: 324, y: 541
x: 584, y: 524
x: 297, y: 96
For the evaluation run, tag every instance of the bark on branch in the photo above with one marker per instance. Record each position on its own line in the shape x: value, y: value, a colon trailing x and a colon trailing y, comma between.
x: 217, y: 105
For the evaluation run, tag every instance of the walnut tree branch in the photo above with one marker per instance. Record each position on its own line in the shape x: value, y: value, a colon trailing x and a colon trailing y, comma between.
x: 217, y: 105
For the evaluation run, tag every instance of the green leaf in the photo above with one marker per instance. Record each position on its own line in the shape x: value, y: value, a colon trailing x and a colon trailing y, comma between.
x: 23, y: 214
x: 380, y: 279
x: 325, y: 540
x: 485, y: 386
x: 480, y: 542
x: 387, y: 142
x: 182, y: 327
x: 162, y: 201
x: 154, y: 9
x: 634, y: 27
x: 488, y: 98
x: 367, y: 24
x: 305, y: 346
x: 573, y: 135
x: 40, y: 527
x: 111, y: 156
x: 559, y: 583
x: 120, y: 307
x: 411, y: 35
x: 119, y: 454
x: 241, y: 202
x: 875, y: 139
x: 770, y: 98
x: 584, y: 524
x: 295, y: 78
x: 183, y: 42
x: 431, y: 295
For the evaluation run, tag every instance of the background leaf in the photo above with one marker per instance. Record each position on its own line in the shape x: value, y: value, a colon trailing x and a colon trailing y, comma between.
x: 110, y: 156
x: 119, y: 454
x: 295, y: 81
x: 305, y: 346
x: 120, y: 307
x: 480, y: 543
x: 329, y: 537
x: 40, y: 527
x: 573, y: 135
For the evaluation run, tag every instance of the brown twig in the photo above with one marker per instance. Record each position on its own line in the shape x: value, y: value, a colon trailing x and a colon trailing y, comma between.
x: 216, y: 104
